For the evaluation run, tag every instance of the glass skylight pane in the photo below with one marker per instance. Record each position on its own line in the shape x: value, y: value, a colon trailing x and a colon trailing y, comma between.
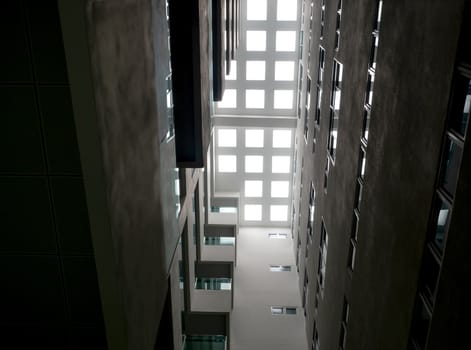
x: 280, y: 164
x: 254, y: 164
x: 278, y: 212
x: 253, y: 188
x: 285, y: 40
x: 233, y: 74
x: 283, y: 99
x: 227, y: 138
x: 255, y: 70
x: 257, y: 40
x: 254, y: 138
x: 286, y: 10
x: 253, y: 212
x: 229, y: 99
x: 281, y: 138
x: 254, y: 98
x: 257, y: 10
x: 227, y: 164
x: 280, y: 189
x: 284, y: 70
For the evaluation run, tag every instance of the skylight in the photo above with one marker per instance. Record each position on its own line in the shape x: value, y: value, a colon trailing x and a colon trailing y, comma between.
x: 257, y: 10
x: 280, y: 189
x: 281, y: 138
x: 256, y: 40
x: 286, y: 10
x: 229, y: 99
x: 227, y: 138
x: 254, y: 164
x: 227, y: 164
x: 253, y: 212
x: 233, y: 74
x: 284, y: 70
x: 278, y: 212
x: 254, y: 138
x: 264, y: 83
x: 254, y: 98
x: 285, y: 40
x: 255, y: 70
x: 283, y: 99
x: 253, y: 188
x: 280, y: 164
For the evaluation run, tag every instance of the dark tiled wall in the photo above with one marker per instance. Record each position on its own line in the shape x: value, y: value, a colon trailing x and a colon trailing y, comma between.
x: 49, y: 295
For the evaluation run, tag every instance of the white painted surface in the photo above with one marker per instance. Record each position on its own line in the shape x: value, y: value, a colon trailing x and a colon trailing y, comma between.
x: 253, y: 327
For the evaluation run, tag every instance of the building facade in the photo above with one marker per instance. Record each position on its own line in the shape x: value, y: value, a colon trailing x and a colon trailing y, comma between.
x: 272, y: 175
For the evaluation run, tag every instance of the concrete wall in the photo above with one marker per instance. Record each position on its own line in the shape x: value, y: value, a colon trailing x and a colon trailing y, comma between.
x: 411, y: 97
x: 117, y: 67
x: 414, y: 68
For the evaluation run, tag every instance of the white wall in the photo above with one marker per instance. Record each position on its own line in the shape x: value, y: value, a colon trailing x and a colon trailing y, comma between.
x: 253, y: 327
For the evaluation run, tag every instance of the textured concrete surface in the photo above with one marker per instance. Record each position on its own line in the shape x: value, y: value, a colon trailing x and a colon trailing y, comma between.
x: 414, y: 69
x: 126, y: 61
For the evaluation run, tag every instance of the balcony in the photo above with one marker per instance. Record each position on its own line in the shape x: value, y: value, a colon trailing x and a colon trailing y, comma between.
x: 205, y: 342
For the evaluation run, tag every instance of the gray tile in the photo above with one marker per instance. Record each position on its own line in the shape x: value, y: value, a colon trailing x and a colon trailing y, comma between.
x: 20, y: 133
x: 90, y: 338
x: 82, y: 290
x: 33, y: 337
x: 47, y: 43
x: 32, y: 291
x: 71, y: 215
x: 25, y: 216
x: 59, y: 130
x: 14, y: 60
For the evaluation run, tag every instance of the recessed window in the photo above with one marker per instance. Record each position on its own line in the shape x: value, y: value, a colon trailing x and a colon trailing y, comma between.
x: 442, y: 216
x: 227, y: 210
x: 257, y: 40
x: 280, y: 164
x: 254, y: 98
x: 280, y: 189
x: 255, y: 70
x: 286, y: 10
x: 351, y: 254
x: 280, y: 268
x: 461, y: 105
x: 281, y: 138
x: 233, y: 73
x: 254, y: 164
x: 257, y: 10
x: 227, y: 138
x: 451, y: 166
x: 253, y: 212
x: 285, y: 41
x: 284, y: 70
x: 278, y: 212
x: 283, y: 310
x: 253, y: 188
x: 277, y: 235
x: 229, y: 99
x: 283, y: 99
x: 227, y: 163
x: 254, y: 138
x: 362, y: 163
